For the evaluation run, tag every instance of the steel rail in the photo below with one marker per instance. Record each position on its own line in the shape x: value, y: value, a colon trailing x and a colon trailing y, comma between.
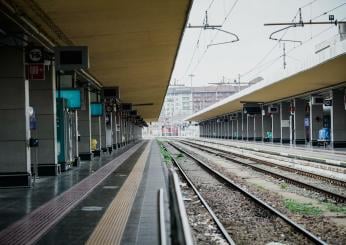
x: 334, y: 196
x: 204, y: 203
x: 220, y: 176
x: 299, y: 171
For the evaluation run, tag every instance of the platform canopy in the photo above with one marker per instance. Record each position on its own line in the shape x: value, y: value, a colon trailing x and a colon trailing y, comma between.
x: 329, y: 73
x: 132, y: 44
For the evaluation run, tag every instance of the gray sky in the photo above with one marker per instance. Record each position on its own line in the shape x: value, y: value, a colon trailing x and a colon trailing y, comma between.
x: 246, y: 20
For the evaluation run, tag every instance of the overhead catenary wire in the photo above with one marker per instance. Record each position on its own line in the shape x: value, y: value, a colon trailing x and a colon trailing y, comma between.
x: 259, y: 65
x: 277, y: 43
x: 273, y: 61
x: 213, y: 38
x: 210, y: 4
x: 270, y: 51
x: 324, y: 13
x: 196, y: 46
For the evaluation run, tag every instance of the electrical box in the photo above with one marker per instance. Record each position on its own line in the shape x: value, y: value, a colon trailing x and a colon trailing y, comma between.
x: 273, y: 109
x: 69, y: 58
x: 252, y: 110
x: 111, y: 92
x: 317, y: 100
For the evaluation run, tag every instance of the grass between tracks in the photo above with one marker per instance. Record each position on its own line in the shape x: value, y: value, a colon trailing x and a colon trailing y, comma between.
x: 302, y: 208
x: 166, y: 155
x: 309, y: 209
x: 336, y: 208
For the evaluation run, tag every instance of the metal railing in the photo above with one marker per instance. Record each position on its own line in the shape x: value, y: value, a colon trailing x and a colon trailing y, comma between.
x: 162, y: 224
x: 180, y: 228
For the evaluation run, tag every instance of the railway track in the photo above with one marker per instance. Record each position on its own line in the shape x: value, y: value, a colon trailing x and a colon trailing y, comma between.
x: 282, y: 156
x: 185, y: 179
x: 248, y: 210
x: 230, y: 156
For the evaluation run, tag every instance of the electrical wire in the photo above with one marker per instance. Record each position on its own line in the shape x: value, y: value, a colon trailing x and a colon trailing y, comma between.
x: 196, y: 46
x: 193, y: 55
x: 211, y: 3
x: 271, y: 50
x: 316, y: 35
x: 212, y: 40
x: 324, y: 13
x: 294, y: 48
x: 311, y: 37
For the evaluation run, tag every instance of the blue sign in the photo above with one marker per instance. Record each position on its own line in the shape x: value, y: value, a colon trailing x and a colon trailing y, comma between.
x: 73, y: 97
x: 96, y: 109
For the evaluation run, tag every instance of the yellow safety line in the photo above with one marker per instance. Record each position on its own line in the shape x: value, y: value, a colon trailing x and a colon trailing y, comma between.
x: 111, y: 227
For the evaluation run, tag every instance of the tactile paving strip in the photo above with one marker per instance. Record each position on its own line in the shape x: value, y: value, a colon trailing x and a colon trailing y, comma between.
x: 111, y: 227
x: 31, y: 227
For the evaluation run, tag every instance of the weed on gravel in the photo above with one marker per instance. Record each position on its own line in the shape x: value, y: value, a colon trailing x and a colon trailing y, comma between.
x: 302, y: 208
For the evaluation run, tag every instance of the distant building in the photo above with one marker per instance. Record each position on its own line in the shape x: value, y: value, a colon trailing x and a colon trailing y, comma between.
x: 203, y: 97
x: 182, y: 101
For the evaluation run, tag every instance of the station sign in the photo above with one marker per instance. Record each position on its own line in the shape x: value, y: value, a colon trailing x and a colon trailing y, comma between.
x: 35, y: 63
x: 35, y: 72
x: 35, y: 55
x: 328, y: 102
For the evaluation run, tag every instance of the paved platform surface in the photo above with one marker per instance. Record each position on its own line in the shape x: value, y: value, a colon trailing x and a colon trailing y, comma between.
x: 17, y: 202
x: 335, y: 157
x: 79, y: 224
x: 143, y: 227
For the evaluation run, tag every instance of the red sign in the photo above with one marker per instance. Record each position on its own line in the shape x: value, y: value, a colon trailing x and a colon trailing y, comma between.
x: 35, y: 72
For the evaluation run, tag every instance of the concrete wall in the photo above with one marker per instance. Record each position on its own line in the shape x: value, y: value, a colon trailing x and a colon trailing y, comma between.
x: 96, y: 131
x: 276, y: 126
x: 250, y: 127
x: 43, y: 100
x: 258, y: 127
x: 285, y: 122
x: 244, y: 126
x: 299, y: 114
x: 84, y: 127
x: 316, y: 122
x: 239, y: 126
x: 338, y: 119
x: 15, y: 157
x: 266, y: 123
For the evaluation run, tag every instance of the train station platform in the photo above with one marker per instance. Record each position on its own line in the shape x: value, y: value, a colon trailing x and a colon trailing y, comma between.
x: 112, y: 199
x: 334, y: 157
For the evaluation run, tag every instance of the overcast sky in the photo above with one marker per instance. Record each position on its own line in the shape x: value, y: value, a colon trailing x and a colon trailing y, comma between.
x: 252, y: 52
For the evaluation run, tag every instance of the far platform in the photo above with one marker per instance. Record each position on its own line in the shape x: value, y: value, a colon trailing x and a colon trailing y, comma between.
x: 335, y: 157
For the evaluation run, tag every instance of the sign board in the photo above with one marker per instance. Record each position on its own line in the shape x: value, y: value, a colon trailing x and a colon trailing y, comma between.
x: 285, y: 123
x: 69, y: 58
x: 35, y: 63
x: 111, y: 92
x: 328, y: 102
x: 34, y: 55
x: 35, y: 72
